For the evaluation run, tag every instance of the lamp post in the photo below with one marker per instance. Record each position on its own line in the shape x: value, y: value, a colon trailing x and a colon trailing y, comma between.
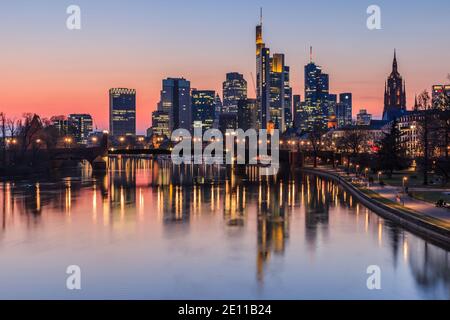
x: 405, y: 180
x: 379, y: 175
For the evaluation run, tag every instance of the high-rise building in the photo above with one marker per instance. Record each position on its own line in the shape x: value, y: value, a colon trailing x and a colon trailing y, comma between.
x: 298, y: 111
x: 160, y: 123
x: 83, y: 126
x: 346, y: 104
x: 280, y: 93
x: 176, y: 101
x: 262, y: 78
x: 122, y: 111
x: 203, y: 108
x: 247, y: 114
x: 228, y: 121
x: 316, y: 96
x: 394, y: 94
x: 273, y: 92
x: 363, y: 118
x: 234, y: 89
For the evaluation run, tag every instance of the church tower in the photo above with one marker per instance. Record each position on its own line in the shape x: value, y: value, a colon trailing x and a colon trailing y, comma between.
x: 394, y: 94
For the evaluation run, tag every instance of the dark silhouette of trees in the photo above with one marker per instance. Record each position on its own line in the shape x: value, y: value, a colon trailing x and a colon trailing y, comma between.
x: 392, y: 155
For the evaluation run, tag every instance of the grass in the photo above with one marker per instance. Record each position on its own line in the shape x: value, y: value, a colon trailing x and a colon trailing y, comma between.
x: 431, y: 197
x: 415, y: 180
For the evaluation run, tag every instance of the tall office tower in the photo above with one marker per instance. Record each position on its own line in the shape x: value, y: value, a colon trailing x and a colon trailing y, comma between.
x: 247, y: 114
x: 228, y: 121
x: 176, y: 101
x: 234, y: 89
x: 122, y: 111
x: 262, y: 78
x: 394, y: 94
x: 288, y: 117
x: 280, y: 93
x: 346, y: 100
x: 298, y: 111
x: 316, y: 95
x: 203, y: 109
x: 161, y: 123
x: 83, y: 126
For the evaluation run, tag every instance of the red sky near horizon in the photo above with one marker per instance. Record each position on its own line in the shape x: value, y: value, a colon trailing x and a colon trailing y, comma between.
x: 49, y: 70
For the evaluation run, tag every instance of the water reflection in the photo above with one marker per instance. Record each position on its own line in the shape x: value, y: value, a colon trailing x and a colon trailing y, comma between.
x: 285, y: 215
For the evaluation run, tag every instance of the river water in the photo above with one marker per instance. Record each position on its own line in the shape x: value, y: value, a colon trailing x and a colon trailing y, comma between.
x: 149, y: 230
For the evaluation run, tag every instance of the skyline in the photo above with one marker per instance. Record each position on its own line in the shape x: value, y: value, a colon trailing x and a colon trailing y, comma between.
x: 75, y: 75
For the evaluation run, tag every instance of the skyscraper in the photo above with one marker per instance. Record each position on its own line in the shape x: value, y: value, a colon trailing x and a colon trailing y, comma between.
x: 83, y: 126
x: 298, y: 111
x: 247, y: 114
x: 280, y: 93
x: 176, y: 101
x: 122, y: 111
x: 394, y: 94
x: 273, y: 92
x: 346, y: 103
x: 160, y: 123
x: 316, y: 95
x: 262, y: 78
x: 203, y: 108
x: 234, y: 89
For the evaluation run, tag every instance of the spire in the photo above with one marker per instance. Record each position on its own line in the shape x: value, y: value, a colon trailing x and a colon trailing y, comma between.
x: 394, y: 64
x: 310, y: 54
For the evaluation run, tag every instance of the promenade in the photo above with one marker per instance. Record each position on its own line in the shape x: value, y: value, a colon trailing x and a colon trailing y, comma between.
x: 395, y: 196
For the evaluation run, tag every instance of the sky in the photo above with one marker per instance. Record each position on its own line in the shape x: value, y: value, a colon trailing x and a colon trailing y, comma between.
x: 50, y: 70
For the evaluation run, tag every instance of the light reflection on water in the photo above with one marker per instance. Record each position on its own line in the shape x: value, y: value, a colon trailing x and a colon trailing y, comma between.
x: 152, y: 230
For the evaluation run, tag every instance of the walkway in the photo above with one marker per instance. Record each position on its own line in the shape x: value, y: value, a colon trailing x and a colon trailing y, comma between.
x: 390, y: 193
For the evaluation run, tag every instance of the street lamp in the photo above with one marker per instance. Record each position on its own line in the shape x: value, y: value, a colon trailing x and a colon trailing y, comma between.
x: 405, y: 180
x: 379, y: 175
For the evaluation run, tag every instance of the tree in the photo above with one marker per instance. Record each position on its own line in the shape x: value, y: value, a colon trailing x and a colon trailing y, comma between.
x: 352, y: 143
x: 392, y: 153
x: 3, y: 133
x: 315, y: 137
x: 425, y: 131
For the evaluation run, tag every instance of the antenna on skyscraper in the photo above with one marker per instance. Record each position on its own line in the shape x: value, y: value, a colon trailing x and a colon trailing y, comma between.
x: 260, y: 16
x: 310, y: 54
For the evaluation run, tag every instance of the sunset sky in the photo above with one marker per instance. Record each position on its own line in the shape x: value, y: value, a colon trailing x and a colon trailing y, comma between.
x: 47, y: 69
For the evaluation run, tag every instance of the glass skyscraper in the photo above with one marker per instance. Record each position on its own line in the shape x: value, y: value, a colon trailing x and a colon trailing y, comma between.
x: 176, y: 101
x: 234, y: 89
x: 122, y: 111
x: 316, y: 96
x: 203, y: 109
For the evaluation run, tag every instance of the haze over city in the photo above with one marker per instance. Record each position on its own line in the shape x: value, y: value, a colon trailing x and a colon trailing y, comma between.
x: 135, y: 44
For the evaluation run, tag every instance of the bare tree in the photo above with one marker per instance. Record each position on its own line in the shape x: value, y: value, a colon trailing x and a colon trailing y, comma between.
x: 3, y: 133
x: 425, y: 130
x: 352, y: 143
x: 316, y: 138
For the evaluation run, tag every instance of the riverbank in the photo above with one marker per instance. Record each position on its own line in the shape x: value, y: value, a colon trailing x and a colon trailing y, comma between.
x: 430, y: 226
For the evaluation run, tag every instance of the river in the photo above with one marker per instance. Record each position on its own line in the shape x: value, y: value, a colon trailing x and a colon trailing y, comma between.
x: 149, y: 230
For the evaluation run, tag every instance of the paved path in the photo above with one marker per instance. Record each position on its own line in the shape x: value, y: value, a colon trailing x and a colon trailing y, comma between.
x: 390, y: 193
